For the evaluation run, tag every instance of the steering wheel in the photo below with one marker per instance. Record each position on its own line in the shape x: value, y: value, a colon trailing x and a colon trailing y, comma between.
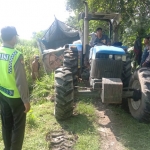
x: 99, y: 43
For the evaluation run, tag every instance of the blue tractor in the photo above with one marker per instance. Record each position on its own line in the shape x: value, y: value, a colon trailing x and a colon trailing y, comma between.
x: 108, y: 71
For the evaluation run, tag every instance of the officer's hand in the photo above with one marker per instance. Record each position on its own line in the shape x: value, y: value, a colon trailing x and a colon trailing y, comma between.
x: 27, y: 107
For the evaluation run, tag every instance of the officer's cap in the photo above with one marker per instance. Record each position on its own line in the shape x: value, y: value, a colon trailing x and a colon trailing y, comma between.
x: 8, y: 32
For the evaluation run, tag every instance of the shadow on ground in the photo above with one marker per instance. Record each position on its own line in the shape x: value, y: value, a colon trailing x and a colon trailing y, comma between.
x: 78, y: 124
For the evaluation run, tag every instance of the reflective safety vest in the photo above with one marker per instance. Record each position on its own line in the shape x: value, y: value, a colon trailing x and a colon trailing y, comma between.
x: 8, y: 58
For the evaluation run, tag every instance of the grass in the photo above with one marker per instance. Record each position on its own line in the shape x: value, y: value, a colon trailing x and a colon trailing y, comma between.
x: 43, y: 87
x: 84, y: 126
x: 40, y: 121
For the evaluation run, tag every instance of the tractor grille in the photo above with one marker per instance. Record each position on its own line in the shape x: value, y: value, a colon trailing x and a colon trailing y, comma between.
x: 106, y: 68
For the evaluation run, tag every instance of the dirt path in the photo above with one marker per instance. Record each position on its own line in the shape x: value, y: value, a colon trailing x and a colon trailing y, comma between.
x: 108, y: 125
x: 108, y: 128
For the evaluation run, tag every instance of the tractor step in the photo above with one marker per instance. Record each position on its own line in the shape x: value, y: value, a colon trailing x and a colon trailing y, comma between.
x: 87, y: 92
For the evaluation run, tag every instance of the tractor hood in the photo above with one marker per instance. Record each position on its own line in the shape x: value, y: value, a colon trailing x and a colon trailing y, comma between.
x: 111, y: 50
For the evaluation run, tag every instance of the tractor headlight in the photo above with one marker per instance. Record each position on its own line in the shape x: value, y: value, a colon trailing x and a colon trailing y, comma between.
x: 124, y: 58
x: 118, y: 57
x: 110, y: 56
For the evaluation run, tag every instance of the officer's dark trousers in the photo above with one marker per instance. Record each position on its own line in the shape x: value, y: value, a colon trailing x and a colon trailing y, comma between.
x: 13, y: 122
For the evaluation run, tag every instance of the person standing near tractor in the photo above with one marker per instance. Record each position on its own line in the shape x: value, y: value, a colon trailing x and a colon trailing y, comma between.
x: 145, y: 61
x: 14, y: 92
x: 35, y: 68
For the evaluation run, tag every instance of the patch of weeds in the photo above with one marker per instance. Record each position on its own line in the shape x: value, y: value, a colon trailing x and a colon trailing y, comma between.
x: 88, y: 142
x: 87, y: 108
x: 42, y: 116
x: 43, y: 87
x: 31, y: 119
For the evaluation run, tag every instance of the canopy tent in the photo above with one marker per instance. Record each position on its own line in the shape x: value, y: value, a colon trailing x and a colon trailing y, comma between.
x: 59, y: 34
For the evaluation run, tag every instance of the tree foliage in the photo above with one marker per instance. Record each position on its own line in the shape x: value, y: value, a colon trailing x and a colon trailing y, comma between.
x: 37, y: 35
x: 135, y: 15
x: 73, y: 22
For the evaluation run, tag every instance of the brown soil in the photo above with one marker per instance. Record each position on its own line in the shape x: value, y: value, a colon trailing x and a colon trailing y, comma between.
x: 108, y: 126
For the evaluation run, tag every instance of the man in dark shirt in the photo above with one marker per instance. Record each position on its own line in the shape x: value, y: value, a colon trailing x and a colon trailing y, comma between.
x: 101, y: 38
x: 145, y: 62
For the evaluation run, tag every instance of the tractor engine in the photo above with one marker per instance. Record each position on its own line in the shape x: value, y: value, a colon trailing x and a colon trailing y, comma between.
x: 106, y: 72
x: 106, y: 61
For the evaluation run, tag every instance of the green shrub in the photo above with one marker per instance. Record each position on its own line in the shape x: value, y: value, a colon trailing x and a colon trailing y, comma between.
x: 29, y: 50
x: 43, y: 87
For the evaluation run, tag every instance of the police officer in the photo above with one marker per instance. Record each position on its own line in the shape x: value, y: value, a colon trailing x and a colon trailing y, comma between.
x: 14, y: 93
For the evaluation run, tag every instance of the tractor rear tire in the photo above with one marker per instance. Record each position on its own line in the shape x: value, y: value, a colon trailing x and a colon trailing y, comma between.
x: 126, y: 74
x: 64, y: 98
x: 141, y: 109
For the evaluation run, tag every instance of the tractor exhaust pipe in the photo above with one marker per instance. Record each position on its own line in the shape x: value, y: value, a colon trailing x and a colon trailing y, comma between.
x: 86, y: 29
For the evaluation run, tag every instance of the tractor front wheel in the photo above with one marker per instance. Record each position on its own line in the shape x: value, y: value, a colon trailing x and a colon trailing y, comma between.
x: 64, y: 98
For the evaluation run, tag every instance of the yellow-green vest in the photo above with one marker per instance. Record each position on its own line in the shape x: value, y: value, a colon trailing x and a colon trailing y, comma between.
x: 8, y: 58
